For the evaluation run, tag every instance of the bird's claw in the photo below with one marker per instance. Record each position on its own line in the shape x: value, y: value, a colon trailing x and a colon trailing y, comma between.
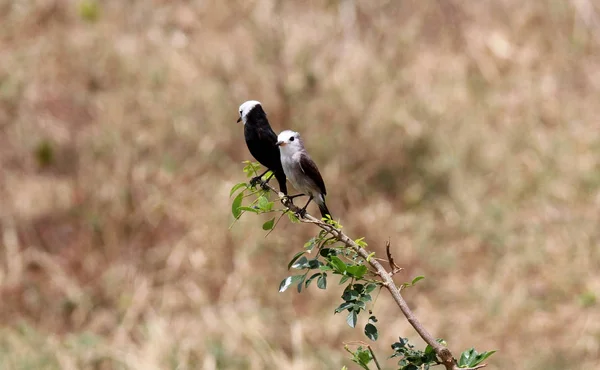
x: 255, y: 181
x: 301, y: 213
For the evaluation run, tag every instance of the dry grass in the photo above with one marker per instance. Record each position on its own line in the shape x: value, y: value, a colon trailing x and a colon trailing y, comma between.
x: 466, y: 132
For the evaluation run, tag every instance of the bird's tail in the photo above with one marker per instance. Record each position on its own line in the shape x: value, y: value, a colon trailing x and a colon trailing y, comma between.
x: 322, y: 206
x: 280, y: 176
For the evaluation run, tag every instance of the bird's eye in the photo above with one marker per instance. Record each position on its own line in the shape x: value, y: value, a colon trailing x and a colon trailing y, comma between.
x: 292, y: 138
x: 240, y: 113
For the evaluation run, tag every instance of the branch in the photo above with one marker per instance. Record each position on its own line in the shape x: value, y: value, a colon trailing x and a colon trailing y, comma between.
x: 443, y: 353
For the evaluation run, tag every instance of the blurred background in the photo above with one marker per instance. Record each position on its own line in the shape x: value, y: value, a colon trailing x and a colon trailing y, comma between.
x: 465, y: 132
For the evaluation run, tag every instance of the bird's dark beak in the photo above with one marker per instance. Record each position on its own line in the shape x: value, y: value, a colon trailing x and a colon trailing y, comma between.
x: 279, y: 143
x: 239, y: 119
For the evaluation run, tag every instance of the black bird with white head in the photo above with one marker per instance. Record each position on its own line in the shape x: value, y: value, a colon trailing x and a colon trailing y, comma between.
x: 302, y: 170
x: 261, y: 141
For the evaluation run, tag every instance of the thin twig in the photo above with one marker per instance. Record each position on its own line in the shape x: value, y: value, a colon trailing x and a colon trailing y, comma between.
x: 395, y: 268
x: 374, y: 358
x: 443, y: 353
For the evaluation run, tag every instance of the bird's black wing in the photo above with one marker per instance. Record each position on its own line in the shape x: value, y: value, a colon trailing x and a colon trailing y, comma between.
x: 261, y: 143
x: 308, y: 166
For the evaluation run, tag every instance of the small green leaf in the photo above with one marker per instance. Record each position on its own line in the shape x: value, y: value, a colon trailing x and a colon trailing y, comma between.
x: 263, y: 203
x: 235, y: 206
x: 351, y: 319
x: 465, y: 357
x: 236, y: 187
x: 314, y: 264
x: 343, y: 306
x: 481, y: 357
x: 337, y: 264
x: 350, y: 295
x: 344, y: 279
x: 371, y: 332
x: 327, y: 252
x: 293, y: 217
x: 269, y: 224
x: 296, y: 256
x: 370, y: 287
x: 322, y: 281
x: 361, y: 242
x: 248, y: 209
x: 301, y: 263
x: 364, y: 356
x: 365, y: 298
x: 310, y: 245
x: 371, y: 255
x: 285, y: 283
x: 358, y: 271
x: 251, y: 169
x: 268, y: 174
x: 417, y: 279
x: 310, y: 279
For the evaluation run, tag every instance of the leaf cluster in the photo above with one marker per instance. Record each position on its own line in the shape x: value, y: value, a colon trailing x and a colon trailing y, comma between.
x: 324, y: 256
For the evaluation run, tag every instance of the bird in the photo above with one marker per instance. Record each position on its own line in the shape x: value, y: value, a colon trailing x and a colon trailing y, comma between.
x: 261, y: 141
x: 301, y: 170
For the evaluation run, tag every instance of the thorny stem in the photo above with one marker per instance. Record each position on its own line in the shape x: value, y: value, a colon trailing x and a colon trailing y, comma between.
x: 443, y: 353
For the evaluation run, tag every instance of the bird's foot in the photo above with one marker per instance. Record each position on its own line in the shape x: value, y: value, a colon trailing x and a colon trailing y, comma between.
x: 301, y: 213
x: 258, y: 181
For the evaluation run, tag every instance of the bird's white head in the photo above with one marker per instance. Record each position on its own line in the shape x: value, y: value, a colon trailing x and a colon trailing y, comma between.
x: 289, y: 141
x: 245, y: 108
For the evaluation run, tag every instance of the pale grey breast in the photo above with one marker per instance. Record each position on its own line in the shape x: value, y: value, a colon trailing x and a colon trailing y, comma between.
x: 293, y: 171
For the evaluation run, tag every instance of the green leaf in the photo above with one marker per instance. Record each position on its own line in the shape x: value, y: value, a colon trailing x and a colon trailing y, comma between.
x: 350, y: 295
x: 267, y: 174
x: 235, y: 206
x: 364, y: 356
x: 465, y: 357
x: 285, y: 283
x: 314, y: 264
x: 351, y: 319
x: 337, y: 264
x: 252, y: 168
x: 236, y: 187
x: 269, y: 224
x: 293, y: 217
x: 301, y: 263
x: 310, y: 279
x: 370, y: 287
x: 327, y: 252
x: 417, y: 279
x: 343, y: 306
x: 429, y: 349
x: 371, y: 332
x: 248, y: 209
x: 322, y: 281
x: 481, y: 357
x: 310, y: 245
x: 365, y: 298
x: 344, y: 279
x: 358, y: 271
x: 296, y: 256
x: 361, y: 243
x: 263, y: 203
